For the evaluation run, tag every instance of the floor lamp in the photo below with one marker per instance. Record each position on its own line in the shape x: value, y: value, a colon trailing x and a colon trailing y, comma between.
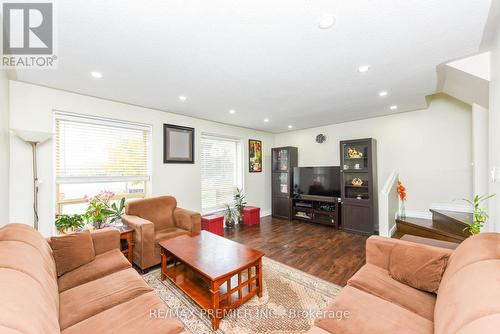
x: 33, y: 138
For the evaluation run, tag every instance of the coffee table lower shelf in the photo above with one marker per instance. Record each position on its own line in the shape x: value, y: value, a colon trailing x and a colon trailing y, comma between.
x: 218, y: 296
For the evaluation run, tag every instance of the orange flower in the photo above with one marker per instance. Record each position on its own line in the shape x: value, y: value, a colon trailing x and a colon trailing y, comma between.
x: 401, y: 191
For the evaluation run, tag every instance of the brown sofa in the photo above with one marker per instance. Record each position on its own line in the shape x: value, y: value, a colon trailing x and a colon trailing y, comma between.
x: 154, y: 220
x: 467, y: 282
x: 103, y: 296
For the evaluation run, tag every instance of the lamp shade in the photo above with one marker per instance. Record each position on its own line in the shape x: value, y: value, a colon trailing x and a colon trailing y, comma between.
x: 32, y: 136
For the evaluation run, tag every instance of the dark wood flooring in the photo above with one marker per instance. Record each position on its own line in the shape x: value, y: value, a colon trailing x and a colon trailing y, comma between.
x: 316, y: 249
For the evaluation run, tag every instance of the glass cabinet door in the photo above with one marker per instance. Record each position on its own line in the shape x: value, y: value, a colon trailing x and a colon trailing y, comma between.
x: 356, y: 185
x: 355, y: 156
x: 280, y: 160
x: 281, y: 186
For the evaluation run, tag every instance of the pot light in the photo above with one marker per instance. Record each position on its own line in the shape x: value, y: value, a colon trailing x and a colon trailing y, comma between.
x: 182, y: 97
x: 326, y: 21
x: 266, y: 120
x: 290, y: 126
x: 232, y: 111
x: 394, y: 107
x: 382, y: 93
x: 363, y: 68
x: 96, y: 75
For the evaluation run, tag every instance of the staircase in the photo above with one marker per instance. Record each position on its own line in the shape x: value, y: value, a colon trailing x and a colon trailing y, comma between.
x: 444, y: 225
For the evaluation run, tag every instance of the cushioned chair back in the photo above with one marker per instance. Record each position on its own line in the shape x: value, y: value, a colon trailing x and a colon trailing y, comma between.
x: 29, y: 296
x: 468, y: 299
x: 158, y: 210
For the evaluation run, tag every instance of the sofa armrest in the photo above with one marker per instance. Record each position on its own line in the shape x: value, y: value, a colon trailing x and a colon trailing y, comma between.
x: 105, y: 239
x: 379, y: 249
x: 187, y: 220
x: 144, y: 239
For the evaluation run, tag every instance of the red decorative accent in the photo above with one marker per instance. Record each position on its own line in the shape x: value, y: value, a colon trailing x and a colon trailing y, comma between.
x: 251, y: 215
x: 213, y: 223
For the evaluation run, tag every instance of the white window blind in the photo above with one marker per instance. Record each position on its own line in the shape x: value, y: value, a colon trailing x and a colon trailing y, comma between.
x: 221, y: 171
x: 92, y: 149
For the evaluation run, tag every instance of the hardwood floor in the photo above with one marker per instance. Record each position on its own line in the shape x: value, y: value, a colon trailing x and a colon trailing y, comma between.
x: 318, y: 250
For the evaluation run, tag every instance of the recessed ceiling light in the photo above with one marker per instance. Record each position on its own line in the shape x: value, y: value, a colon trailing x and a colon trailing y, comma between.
x: 363, y: 68
x: 326, y: 21
x: 382, y: 93
x: 96, y: 75
x: 182, y: 97
x: 232, y: 111
x: 290, y: 126
x: 266, y: 120
x: 394, y: 107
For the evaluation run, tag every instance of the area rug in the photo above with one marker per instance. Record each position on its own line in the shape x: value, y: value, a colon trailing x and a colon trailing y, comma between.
x: 291, y: 301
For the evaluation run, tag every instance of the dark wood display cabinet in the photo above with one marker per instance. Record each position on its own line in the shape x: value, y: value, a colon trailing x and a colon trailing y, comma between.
x: 358, y: 169
x: 284, y: 159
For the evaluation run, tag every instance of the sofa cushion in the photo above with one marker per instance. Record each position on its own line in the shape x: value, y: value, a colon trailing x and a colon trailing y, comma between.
x: 376, y: 281
x: 484, y: 325
x: 368, y: 314
x: 72, y: 251
x: 131, y: 317
x: 103, y: 264
x: 159, y: 210
x: 418, y: 266
x: 24, y: 305
x: 168, y: 233
x: 89, y: 299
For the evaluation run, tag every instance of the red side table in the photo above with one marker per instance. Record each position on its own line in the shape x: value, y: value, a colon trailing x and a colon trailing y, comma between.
x: 213, y: 223
x: 251, y: 215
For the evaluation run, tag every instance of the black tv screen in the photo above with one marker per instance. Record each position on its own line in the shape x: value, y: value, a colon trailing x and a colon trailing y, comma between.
x: 317, y: 181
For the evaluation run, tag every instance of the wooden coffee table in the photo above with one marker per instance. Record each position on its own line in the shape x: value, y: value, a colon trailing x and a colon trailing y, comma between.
x: 217, y: 273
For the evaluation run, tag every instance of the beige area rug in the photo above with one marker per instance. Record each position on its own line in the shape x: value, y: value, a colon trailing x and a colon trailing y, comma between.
x: 291, y: 301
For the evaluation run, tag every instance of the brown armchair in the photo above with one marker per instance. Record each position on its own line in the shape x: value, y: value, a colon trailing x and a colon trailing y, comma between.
x: 154, y: 220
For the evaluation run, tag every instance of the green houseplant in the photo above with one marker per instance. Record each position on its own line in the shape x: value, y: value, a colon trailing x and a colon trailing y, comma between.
x: 114, y: 211
x: 230, y: 215
x: 239, y: 203
x: 479, y: 215
x: 65, y: 223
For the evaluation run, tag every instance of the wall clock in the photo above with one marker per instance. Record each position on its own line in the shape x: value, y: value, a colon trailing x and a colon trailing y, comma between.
x: 321, y: 138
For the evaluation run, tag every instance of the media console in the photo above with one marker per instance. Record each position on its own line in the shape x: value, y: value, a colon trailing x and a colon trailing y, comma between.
x: 317, y: 209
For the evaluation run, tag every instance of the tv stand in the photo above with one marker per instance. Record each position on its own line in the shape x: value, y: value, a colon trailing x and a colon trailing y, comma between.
x: 317, y: 209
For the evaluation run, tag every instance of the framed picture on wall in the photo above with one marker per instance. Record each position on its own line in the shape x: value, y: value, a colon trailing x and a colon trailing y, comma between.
x: 254, y: 156
x: 178, y: 144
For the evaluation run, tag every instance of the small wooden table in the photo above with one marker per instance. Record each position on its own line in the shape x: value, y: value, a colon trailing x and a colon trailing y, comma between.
x: 127, y: 233
x: 217, y: 273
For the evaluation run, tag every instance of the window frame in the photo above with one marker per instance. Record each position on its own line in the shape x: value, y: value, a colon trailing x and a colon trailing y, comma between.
x: 60, y: 202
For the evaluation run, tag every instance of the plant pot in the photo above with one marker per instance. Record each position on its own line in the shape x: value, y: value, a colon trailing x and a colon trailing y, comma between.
x: 229, y: 224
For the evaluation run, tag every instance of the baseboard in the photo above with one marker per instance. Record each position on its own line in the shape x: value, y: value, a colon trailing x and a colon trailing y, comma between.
x: 265, y: 213
x: 393, y: 230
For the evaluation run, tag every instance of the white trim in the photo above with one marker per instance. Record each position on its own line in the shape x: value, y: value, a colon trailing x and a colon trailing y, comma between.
x: 384, y: 216
x: 265, y: 213
x: 419, y: 214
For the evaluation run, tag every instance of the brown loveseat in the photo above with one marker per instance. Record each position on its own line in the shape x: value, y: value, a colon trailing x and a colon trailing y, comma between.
x: 467, y: 282
x: 103, y: 296
x: 154, y: 220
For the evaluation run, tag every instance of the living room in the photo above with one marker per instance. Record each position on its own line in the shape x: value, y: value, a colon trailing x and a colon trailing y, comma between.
x: 146, y: 154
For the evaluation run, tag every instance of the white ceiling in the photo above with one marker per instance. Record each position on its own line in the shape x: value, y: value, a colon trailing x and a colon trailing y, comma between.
x: 263, y: 58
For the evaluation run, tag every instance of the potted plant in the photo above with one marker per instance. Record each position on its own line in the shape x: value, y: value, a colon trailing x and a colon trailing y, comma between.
x: 230, y: 215
x: 239, y: 203
x: 479, y: 216
x: 69, y: 223
x: 115, y: 212
x: 96, y: 213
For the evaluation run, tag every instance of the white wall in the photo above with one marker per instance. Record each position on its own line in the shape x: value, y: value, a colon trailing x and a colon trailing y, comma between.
x: 430, y: 149
x: 31, y: 108
x: 4, y: 148
x: 494, y: 135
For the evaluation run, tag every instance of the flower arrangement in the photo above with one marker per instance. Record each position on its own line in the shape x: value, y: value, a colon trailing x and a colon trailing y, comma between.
x: 402, y: 198
x: 101, y: 209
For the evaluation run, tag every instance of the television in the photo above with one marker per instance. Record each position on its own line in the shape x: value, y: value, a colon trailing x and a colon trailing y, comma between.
x: 316, y: 181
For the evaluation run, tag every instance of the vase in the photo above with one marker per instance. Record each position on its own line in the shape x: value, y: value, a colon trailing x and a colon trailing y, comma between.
x: 402, y: 210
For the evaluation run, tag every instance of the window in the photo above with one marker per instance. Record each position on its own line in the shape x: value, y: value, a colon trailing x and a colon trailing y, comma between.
x: 95, y: 154
x: 221, y: 171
